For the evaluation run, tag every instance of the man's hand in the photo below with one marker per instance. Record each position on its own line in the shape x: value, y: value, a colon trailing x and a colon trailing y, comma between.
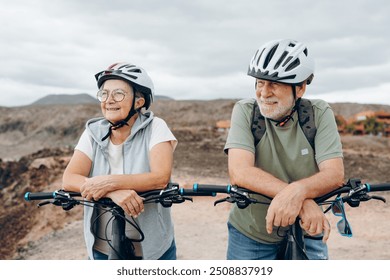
x: 313, y: 220
x: 285, y: 207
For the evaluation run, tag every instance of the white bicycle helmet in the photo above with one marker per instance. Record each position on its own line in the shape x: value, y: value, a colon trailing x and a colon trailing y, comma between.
x: 285, y: 61
x: 132, y: 74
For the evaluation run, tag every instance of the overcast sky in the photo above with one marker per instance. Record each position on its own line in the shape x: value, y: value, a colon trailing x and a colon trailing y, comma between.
x: 191, y: 49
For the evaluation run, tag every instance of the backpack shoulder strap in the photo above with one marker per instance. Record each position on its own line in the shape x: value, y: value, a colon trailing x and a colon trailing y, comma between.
x: 258, y: 124
x: 306, y: 120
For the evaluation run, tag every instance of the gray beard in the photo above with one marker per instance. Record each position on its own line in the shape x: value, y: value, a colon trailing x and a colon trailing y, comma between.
x: 279, y: 113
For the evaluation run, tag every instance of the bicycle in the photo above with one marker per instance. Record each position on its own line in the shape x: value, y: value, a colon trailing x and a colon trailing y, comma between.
x: 293, y: 247
x: 121, y: 247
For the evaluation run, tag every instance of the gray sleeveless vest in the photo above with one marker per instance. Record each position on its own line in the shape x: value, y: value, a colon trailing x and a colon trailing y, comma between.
x: 155, y: 221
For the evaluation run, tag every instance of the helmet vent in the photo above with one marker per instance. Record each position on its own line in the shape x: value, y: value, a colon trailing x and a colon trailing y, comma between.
x: 282, y: 57
x: 287, y: 60
x: 259, y: 57
x: 293, y: 64
x: 131, y: 76
x: 305, y: 51
x: 270, y: 55
x: 124, y: 66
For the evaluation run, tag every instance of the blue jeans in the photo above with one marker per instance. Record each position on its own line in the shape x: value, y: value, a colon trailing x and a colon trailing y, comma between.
x: 170, y: 254
x: 241, y: 247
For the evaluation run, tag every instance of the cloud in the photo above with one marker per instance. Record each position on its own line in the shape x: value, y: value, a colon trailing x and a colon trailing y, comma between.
x: 372, y: 95
x: 225, y: 86
x: 14, y: 96
x: 193, y: 50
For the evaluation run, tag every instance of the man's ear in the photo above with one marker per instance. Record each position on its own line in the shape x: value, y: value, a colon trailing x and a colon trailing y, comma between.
x: 300, y: 90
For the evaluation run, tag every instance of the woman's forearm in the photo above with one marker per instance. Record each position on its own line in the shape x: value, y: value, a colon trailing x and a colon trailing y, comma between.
x: 72, y: 182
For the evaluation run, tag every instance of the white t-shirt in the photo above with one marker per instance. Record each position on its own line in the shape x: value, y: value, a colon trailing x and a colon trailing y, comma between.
x: 160, y: 133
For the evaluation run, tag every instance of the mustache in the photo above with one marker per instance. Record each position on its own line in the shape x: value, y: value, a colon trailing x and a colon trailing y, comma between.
x: 267, y: 100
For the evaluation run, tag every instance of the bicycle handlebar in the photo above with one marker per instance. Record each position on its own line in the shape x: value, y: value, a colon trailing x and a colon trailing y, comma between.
x: 119, y: 244
x: 192, y: 192
x: 205, y: 188
x: 29, y: 196
x: 228, y: 189
x: 355, y: 191
x: 378, y: 187
x: 354, y: 188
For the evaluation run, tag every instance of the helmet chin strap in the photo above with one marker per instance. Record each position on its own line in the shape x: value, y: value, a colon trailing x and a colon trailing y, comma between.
x: 121, y: 123
x: 285, y: 120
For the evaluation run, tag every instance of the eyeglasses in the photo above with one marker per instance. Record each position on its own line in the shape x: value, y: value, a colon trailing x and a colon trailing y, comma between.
x: 117, y: 95
x: 343, y: 225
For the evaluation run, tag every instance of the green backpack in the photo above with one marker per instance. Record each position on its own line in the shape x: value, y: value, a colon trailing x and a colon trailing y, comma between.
x: 305, y: 119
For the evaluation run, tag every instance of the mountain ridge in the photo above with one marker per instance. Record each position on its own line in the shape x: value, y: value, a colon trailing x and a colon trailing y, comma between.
x: 27, y: 129
x: 80, y: 98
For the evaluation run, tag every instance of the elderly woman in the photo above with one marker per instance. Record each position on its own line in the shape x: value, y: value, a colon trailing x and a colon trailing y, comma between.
x: 125, y: 152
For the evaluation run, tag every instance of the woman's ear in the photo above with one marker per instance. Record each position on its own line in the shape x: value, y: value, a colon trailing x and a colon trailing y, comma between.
x: 139, y: 102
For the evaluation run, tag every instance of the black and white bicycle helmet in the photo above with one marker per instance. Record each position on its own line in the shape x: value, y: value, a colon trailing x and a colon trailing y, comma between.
x: 132, y: 74
x: 285, y: 61
x: 137, y: 78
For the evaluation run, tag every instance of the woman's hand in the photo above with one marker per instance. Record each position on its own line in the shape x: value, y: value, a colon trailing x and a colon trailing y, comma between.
x: 96, y: 187
x: 313, y: 220
x: 128, y: 200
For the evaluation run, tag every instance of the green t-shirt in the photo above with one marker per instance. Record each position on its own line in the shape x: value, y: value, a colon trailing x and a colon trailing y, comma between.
x: 283, y: 152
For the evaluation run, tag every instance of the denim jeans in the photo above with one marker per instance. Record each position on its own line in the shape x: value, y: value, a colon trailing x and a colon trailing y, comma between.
x: 170, y: 254
x: 241, y: 247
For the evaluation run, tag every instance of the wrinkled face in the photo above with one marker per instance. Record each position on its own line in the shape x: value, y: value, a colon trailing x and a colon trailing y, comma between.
x: 275, y: 100
x: 112, y: 110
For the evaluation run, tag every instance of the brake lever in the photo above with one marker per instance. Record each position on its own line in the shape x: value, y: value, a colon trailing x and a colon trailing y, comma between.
x: 187, y: 198
x: 355, y: 201
x: 241, y: 201
x: 377, y: 197
x: 244, y: 201
x: 180, y: 199
x: 169, y: 200
x: 45, y: 202
x: 66, y: 203
x: 69, y: 204
x: 228, y: 199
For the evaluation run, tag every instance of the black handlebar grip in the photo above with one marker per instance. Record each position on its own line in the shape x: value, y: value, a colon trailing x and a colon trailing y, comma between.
x: 191, y: 192
x: 378, y: 187
x: 211, y: 188
x: 28, y: 196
